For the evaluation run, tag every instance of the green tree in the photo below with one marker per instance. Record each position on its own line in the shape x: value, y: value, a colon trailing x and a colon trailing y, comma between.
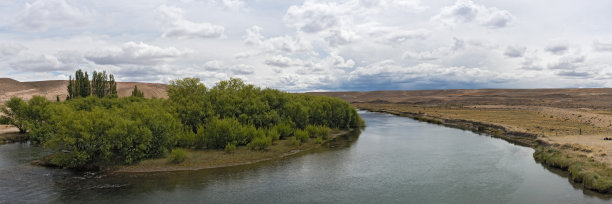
x: 14, y: 111
x: 137, y: 93
x: 190, y: 101
x: 79, y: 85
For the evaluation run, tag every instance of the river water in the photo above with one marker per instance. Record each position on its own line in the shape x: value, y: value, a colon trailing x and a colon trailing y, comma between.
x: 393, y: 160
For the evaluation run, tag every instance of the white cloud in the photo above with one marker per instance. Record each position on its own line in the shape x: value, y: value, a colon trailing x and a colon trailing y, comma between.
x: 175, y: 25
x: 275, y: 44
x: 340, y: 37
x: 602, y: 46
x: 571, y: 62
x: 281, y: 61
x: 214, y: 65
x: 134, y: 53
x: 313, y: 17
x: 435, y: 54
x: 395, y: 36
x: 39, y: 63
x: 44, y: 14
x: 233, y: 4
x: 558, y: 47
x: 466, y: 11
x: 514, y: 51
x: 242, y: 69
x: 10, y: 49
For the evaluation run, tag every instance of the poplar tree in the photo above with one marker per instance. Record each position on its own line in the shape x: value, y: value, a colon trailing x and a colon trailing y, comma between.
x: 137, y: 93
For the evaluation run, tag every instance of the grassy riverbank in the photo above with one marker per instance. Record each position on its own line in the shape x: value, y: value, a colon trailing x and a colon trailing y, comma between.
x: 207, y: 159
x: 569, y: 139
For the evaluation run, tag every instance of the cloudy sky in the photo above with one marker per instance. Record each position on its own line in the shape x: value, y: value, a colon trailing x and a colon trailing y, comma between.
x: 315, y: 45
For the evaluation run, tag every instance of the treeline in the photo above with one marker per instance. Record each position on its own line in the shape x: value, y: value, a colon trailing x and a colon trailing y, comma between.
x: 90, y: 131
x: 101, y: 85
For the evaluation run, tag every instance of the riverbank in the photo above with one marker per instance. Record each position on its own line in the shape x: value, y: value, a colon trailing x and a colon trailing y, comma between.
x: 209, y: 159
x: 10, y: 134
x: 576, y: 137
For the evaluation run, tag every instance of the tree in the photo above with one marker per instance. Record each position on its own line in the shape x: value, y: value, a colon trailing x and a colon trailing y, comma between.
x: 79, y: 86
x: 112, y: 87
x: 191, y: 101
x: 14, y: 112
x: 103, y: 85
x: 137, y: 93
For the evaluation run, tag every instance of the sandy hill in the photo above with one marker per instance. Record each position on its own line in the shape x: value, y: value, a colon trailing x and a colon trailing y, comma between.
x: 562, y: 98
x: 51, y: 89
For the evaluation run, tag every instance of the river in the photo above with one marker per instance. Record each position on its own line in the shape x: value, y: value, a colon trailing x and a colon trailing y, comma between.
x: 393, y: 160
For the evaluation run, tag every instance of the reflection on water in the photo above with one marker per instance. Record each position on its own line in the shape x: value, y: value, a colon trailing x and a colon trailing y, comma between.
x: 392, y: 160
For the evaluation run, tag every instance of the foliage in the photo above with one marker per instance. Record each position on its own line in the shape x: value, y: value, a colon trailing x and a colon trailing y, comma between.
x: 14, y: 112
x: 317, y: 131
x: 79, y: 86
x: 284, y: 129
x: 103, y: 85
x: 301, y: 135
x: 319, y: 140
x: 260, y: 143
x: 137, y: 93
x: 178, y: 156
x: 230, y: 148
x: 190, y: 101
x: 88, y: 132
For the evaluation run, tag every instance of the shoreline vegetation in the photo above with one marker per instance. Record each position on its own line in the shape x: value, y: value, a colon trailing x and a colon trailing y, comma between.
x: 587, y: 165
x: 93, y: 129
x: 210, y: 159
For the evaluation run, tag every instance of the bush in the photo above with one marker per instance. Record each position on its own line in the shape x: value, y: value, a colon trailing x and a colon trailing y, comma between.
x: 319, y: 140
x: 273, y: 135
x: 294, y: 141
x: 186, y: 138
x: 317, y: 131
x: 301, y: 135
x: 284, y: 129
x: 260, y: 143
x: 230, y: 148
x: 178, y: 156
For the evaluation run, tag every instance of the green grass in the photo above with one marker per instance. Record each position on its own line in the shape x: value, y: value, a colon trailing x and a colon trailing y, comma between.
x: 592, y: 174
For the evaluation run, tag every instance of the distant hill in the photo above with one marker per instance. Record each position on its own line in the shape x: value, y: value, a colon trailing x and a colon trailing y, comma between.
x: 562, y: 98
x: 51, y: 89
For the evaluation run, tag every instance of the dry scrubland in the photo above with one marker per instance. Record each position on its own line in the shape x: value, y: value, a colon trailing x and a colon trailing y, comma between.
x: 566, y: 126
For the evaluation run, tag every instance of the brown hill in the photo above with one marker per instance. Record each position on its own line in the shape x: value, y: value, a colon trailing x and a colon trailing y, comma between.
x: 50, y: 89
x: 600, y: 98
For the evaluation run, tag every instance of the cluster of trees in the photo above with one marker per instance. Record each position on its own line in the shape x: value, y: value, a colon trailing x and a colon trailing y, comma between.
x: 101, y: 85
x: 93, y: 131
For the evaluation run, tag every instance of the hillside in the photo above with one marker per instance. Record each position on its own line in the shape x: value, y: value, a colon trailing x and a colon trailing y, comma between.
x: 596, y: 98
x: 51, y: 89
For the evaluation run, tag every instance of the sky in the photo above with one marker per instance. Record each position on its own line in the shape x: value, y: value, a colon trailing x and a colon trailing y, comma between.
x: 312, y: 45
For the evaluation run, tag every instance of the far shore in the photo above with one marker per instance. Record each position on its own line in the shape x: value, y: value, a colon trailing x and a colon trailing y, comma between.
x: 560, y: 137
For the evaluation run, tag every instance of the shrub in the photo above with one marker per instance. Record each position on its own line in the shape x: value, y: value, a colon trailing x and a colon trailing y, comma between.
x: 273, y: 135
x: 317, y: 131
x: 178, y: 155
x: 186, y: 138
x: 294, y: 141
x: 260, y: 143
x: 284, y: 129
x: 301, y: 135
x: 319, y: 140
x: 230, y: 148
